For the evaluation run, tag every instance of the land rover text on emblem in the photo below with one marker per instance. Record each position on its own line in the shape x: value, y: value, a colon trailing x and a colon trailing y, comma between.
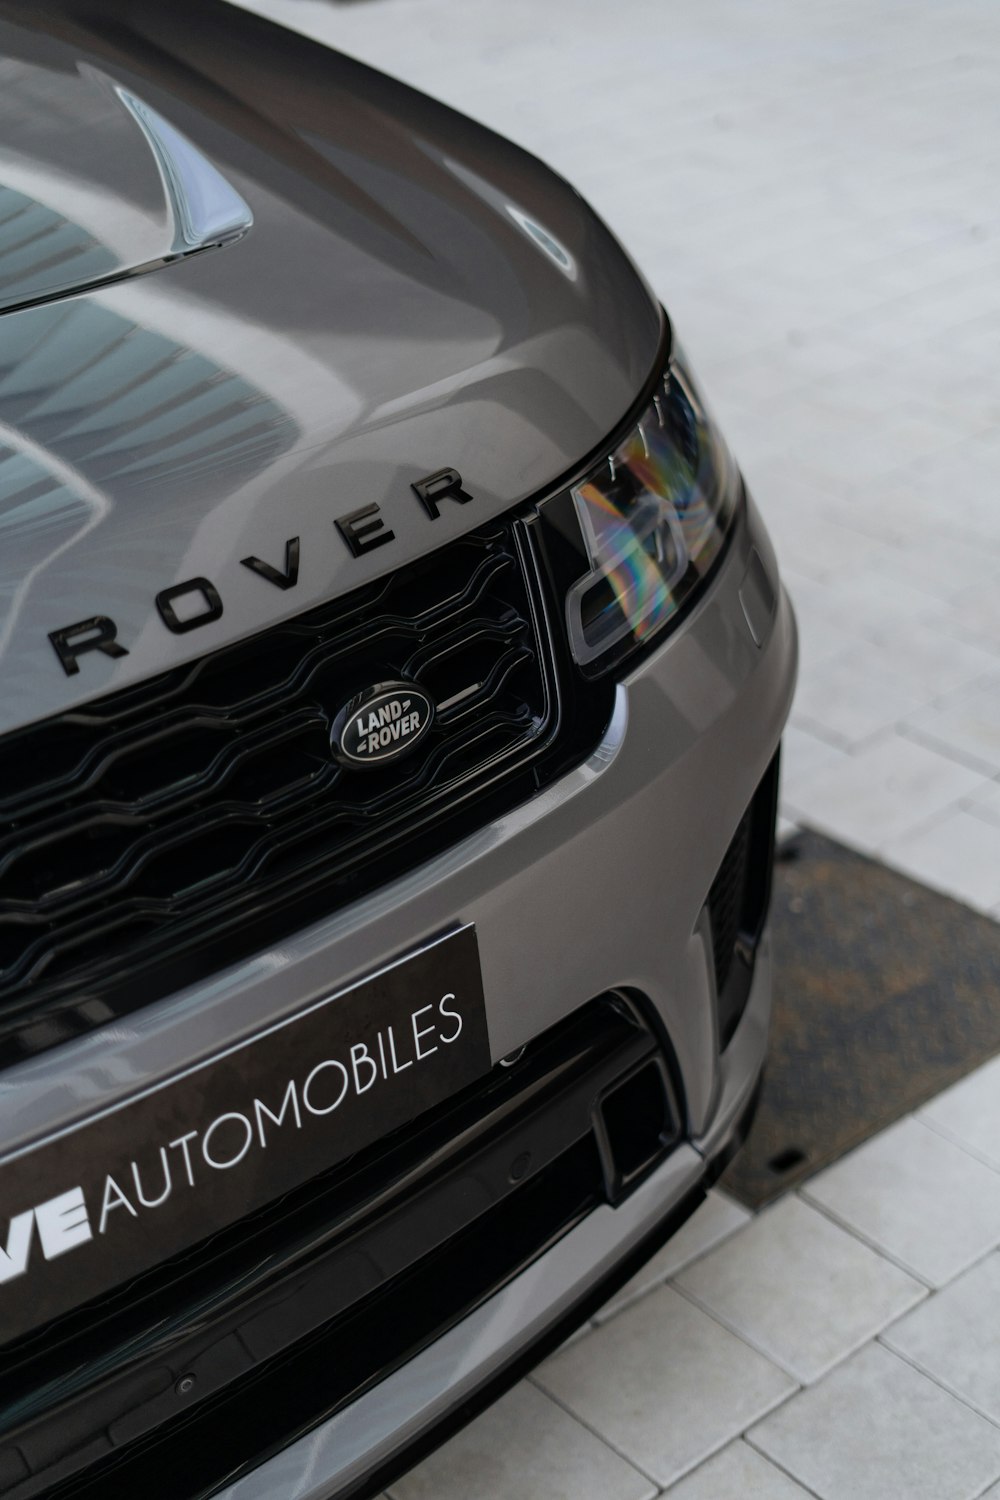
x: 381, y: 724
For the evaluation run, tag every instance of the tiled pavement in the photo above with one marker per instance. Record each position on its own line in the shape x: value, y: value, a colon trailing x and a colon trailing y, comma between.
x: 813, y: 188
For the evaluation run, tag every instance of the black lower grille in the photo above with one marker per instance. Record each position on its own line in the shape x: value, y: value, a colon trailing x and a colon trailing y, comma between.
x: 228, y: 1351
x: 174, y: 826
x: 738, y: 902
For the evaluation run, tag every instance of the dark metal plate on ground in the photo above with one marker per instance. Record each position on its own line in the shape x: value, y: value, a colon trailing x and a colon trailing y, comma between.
x: 885, y: 993
x: 87, y: 1209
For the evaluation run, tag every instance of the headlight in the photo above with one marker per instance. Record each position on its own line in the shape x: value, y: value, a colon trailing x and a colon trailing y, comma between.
x: 654, y: 515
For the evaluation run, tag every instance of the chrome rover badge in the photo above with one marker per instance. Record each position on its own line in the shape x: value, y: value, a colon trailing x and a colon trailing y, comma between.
x: 381, y: 724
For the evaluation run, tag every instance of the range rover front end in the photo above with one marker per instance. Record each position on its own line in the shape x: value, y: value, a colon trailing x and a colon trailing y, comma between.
x: 394, y: 666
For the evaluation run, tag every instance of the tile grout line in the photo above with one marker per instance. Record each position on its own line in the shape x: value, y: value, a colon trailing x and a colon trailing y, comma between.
x: 945, y: 1133
x: 802, y: 1381
x: 915, y: 1116
x: 857, y: 1233
x: 887, y: 1254
x: 780, y: 1466
x: 533, y: 1380
x: 967, y: 760
x: 942, y: 1385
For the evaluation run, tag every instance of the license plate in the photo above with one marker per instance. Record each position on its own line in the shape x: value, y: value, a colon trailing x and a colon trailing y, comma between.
x: 86, y: 1210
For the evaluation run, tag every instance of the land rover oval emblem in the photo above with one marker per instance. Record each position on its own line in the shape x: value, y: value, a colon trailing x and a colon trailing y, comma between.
x: 381, y: 724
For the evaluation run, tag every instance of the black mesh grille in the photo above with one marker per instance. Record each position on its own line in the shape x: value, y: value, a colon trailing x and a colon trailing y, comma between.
x: 170, y: 819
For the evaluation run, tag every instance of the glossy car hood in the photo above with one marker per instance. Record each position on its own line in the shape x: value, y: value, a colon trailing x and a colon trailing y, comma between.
x: 95, y: 186
x: 250, y: 286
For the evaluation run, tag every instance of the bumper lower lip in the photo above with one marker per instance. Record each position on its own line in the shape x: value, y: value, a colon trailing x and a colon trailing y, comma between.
x: 366, y: 1446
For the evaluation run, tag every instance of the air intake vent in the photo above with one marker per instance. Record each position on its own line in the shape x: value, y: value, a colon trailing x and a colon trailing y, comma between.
x: 738, y: 903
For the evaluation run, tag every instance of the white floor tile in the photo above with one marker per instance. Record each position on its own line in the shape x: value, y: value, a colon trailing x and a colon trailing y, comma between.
x: 846, y: 611
x: 665, y: 1383
x: 717, y: 1218
x: 801, y: 1290
x: 877, y: 606
x: 955, y: 1337
x: 966, y: 725
x: 739, y: 1472
x: 881, y: 793
x: 985, y: 802
x: 524, y: 1445
x: 914, y: 1195
x: 815, y: 546
x: 944, y: 571
x: 969, y: 1113
x: 976, y: 610
x: 823, y: 632
x: 845, y: 451
x: 957, y: 853
x: 804, y: 755
x: 855, y: 694
x: 928, y: 663
x: 876, y: 1429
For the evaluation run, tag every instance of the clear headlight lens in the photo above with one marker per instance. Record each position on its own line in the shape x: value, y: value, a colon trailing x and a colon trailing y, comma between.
x: 654, y: 515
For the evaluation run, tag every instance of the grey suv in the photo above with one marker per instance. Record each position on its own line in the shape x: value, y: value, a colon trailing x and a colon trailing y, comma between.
x: 393, y: 669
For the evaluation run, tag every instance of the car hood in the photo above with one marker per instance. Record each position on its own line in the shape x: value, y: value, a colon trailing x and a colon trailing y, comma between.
x: 249, y: 286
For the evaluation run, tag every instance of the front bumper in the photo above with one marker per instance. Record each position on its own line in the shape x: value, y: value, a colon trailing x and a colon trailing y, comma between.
x: 599, y: 883
x: 369, y: 1443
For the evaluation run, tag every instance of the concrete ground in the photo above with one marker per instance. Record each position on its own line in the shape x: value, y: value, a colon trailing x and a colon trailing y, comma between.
x: 813, y: 187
